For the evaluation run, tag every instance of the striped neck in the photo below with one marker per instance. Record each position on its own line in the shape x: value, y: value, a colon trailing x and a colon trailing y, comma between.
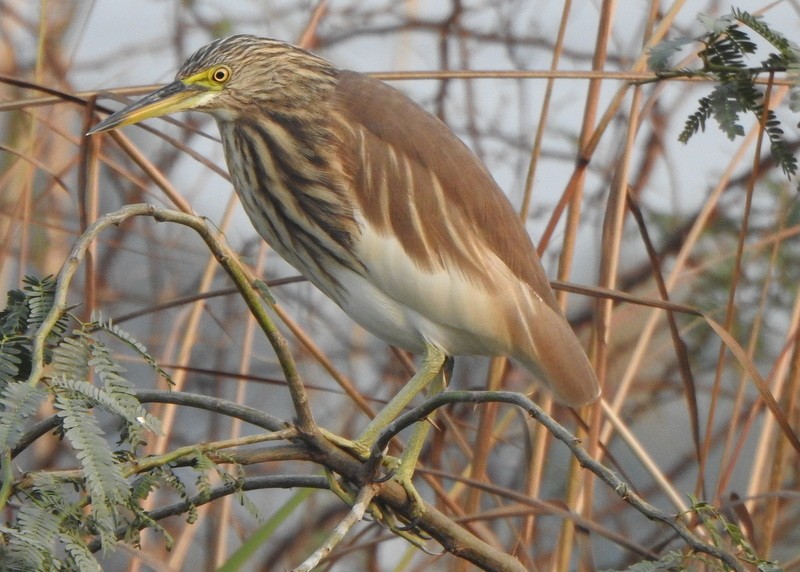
x: 285, y: 170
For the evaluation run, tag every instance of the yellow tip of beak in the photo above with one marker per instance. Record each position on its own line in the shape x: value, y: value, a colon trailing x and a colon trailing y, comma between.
x: 176, y: 96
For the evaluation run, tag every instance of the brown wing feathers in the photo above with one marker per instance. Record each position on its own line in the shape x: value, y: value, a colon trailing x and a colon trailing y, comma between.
x: 442, y: 202
x: 471, y: 195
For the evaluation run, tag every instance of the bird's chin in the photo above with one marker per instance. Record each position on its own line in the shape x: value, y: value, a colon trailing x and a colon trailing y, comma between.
x: 221, y: 114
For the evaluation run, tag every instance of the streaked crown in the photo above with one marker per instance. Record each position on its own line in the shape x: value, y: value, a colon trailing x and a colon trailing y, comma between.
x: 247, y: 74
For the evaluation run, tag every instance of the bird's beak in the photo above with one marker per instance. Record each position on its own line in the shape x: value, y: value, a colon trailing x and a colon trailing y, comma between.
x: 177, y: 96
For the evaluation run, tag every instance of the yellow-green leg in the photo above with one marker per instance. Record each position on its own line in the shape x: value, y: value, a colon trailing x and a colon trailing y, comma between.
x: 408, y: 461
x: 431, y: 373
x: 432, y: 362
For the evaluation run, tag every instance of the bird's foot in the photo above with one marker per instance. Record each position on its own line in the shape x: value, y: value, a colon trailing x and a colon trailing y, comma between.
x: 403, y: 475
x: 358, y: 449
x: 402, y: 472
x: 362, y: 450
x: 379, y: 468
x: 381, y: 513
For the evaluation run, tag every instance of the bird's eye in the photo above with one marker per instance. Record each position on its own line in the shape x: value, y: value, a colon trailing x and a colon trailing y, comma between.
x: 221, y: 74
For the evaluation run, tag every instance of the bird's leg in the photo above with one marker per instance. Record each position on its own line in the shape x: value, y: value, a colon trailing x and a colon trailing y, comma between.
x: 432, y: 362
x: 408, y: 461
x: 435, y: 367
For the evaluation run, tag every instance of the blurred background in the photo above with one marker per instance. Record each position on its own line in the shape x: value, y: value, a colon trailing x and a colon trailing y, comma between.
x: 543, y: 123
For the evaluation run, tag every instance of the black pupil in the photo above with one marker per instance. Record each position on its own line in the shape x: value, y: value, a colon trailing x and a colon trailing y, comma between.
x: 220, y: 75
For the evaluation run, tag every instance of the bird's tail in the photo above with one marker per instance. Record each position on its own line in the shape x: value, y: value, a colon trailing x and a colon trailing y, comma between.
x: 553, y: 353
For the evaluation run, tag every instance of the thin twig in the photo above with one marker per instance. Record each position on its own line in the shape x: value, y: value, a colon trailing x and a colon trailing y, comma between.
x: 620, y: 487
x: 355, y: 515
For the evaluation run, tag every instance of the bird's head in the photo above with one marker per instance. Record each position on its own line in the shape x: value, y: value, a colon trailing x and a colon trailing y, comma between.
x: 233, y: 77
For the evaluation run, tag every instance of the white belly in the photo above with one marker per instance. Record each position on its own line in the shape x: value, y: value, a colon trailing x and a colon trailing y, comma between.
x: 409, y: 307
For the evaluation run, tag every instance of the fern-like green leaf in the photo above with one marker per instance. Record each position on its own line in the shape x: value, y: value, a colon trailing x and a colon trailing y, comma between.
x: 40, y: 298
x: 41, y: 295
x: 96, y: 396
x: 19, y: 401
x: 14, y: 360
x: 71, y: 356
x: 740, y: 43
x: 142, y: 486
x: 716, y: 26
x: 141, y: 521
x: 658, y: 57
x: 747, y: 95
x: 726, y: 108
x: 779, y: 150
x: 47, y: 493
x: 140, y: 489
x: 724, y: 53
x: 203, y: 466
x: 697, y: 120
x: 171, y: 479
x: 120, y: 389
x: 241, y: 496
x: 79, y: 555
x: 31, y: 541
x: 726, y: 49
x: 788, y: 51
x: 14, y: 317
x: 104, y: 481
x: 126, y: 338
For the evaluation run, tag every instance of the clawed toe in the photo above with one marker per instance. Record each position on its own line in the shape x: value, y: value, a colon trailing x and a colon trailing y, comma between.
x: 380, y: 468
x: 384, y: 478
